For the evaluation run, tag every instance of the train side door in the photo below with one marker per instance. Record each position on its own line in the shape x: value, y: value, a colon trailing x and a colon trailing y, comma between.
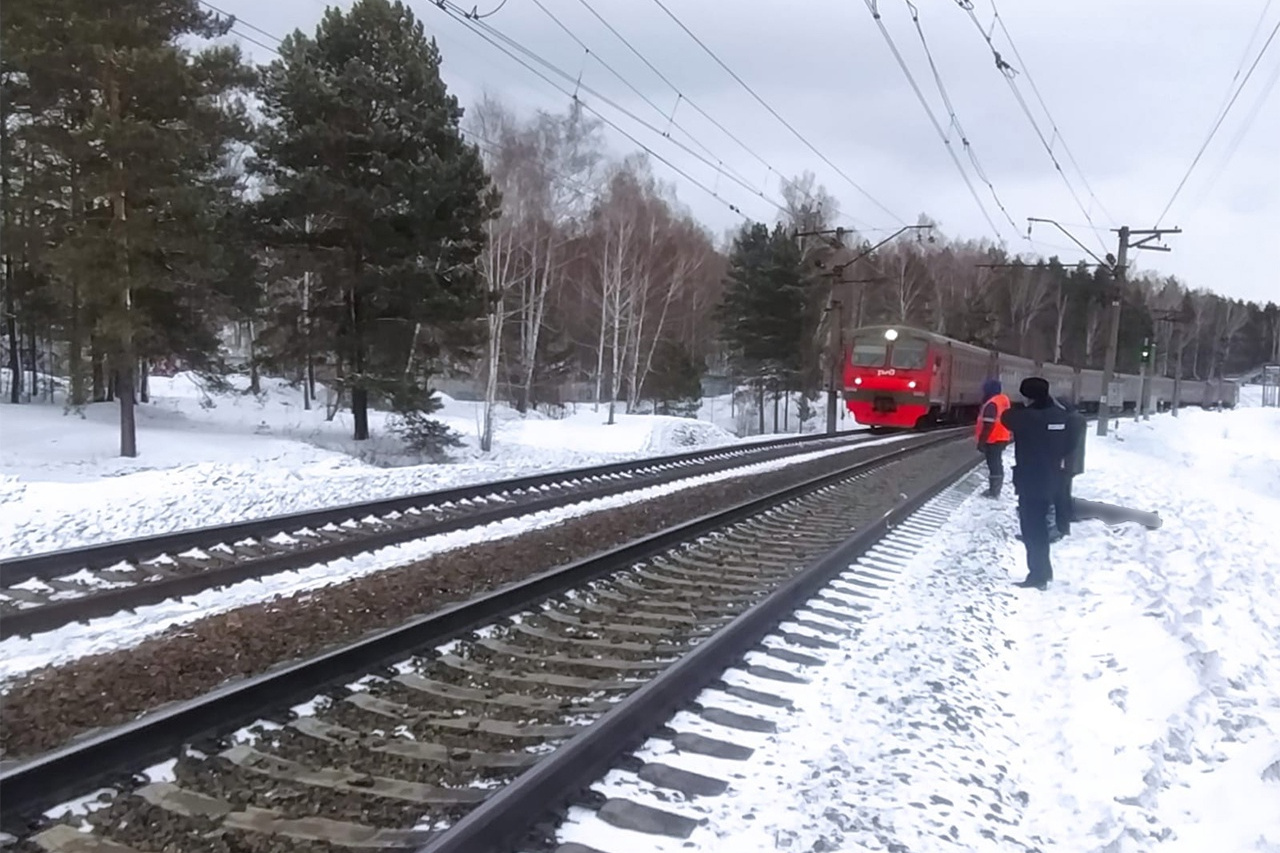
x: 944, y: 375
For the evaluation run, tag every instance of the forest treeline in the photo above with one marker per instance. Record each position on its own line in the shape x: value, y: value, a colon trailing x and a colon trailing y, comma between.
x: 339, y: 206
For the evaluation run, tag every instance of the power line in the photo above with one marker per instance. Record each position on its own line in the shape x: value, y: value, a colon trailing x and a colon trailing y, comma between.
x: 1243, y: 131
x: 670, y: 116
x: 444, y: 5
x: 1217, y: 124
x: 946, y: 141
x: 955, y: 119
x: 1244, y: 54
x: 774, y: 112
x: 682, y: 97
x: 1057, y: 132
x: 481, y: 141
x: 1008, y: 72
x: 235, y: 19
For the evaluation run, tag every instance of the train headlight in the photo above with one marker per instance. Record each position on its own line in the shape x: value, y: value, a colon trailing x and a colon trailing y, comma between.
x: 857, y: 380
x: 891, y: 334
x: 911, y: 384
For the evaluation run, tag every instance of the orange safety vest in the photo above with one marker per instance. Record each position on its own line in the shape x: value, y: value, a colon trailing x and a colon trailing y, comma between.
x: 999, y: 432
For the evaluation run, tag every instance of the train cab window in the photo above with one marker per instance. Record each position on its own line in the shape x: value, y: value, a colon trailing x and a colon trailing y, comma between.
x: 869, y: 353
x: 910, y: 354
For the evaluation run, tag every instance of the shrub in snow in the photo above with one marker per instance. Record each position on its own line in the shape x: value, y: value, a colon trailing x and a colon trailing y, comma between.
x: 424, y: 435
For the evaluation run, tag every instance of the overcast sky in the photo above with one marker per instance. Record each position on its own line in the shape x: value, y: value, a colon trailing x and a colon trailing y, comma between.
x: 1132, y: 86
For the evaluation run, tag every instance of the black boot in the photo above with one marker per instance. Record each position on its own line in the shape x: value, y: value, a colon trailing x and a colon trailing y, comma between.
x: 993, y: 490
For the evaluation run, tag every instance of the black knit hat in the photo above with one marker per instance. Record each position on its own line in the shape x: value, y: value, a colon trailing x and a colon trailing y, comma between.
x: 1034, y: 388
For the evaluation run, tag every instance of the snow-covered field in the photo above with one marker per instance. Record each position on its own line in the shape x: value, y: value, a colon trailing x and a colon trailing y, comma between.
x: 209, y: 459
x: 1134, y: 706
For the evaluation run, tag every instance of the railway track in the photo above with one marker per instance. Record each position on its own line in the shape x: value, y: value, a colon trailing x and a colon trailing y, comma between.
x: 42, y: 592
x: 446, y: 711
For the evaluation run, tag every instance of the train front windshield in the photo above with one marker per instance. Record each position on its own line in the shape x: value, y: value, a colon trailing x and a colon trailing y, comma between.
x: 869, y: 353
x: 909, y: 354
x: 903, y: 353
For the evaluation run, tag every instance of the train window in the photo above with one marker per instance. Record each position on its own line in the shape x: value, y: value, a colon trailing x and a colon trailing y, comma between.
x: 910, y: 354
x: 868, y: 353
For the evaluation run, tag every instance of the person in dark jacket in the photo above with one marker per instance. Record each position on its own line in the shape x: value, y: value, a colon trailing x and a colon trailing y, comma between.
x: 1040, y: 448
x: 1073, y: 466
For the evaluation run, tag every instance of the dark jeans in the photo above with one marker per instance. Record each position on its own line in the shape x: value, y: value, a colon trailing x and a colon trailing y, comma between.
x: 1062, y: 511
x: 1032, y: 512
x: 995, y: 459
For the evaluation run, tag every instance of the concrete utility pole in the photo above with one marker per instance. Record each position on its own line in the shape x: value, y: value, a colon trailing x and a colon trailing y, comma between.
x: 1176, y: 346
x: 835, y: 318
x: 1113, y: 335
x: 1119, y: 269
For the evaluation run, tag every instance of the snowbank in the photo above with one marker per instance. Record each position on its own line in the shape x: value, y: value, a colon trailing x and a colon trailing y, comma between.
x: 208, y: 458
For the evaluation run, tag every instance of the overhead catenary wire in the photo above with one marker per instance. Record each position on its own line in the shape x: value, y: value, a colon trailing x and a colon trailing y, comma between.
x: 1217, y: 124
x: 494, y: 38
x: 480, y: 139
x: 1008, y: 72
x: 1057, y: 131
x: 1244, y: 55
x: 682, y: 97
x: 946, y: 141
x: 1242, y: 131
x: 775, y: 113
x: 670, y: 116
x: 511, y: 47
x: 955, y: 119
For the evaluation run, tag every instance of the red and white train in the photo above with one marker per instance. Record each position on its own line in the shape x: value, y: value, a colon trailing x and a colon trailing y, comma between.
x: 896, y: 376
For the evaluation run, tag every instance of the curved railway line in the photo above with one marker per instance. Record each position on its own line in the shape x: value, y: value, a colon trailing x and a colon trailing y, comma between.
x: 42, y: 592
x: 500, y: 708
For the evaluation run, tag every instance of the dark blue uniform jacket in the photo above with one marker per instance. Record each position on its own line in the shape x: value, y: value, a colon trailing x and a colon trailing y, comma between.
x: 1041, y: 443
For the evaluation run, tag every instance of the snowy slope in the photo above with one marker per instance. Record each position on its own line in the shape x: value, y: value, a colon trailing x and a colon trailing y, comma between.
x: 209, y: 459
x: 1135, y: 706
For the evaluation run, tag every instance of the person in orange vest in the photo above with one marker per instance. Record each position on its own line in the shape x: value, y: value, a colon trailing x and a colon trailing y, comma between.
x: 992, y: 435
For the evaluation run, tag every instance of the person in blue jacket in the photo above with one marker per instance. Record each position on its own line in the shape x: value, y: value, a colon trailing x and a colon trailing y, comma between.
x: 1041, y: 444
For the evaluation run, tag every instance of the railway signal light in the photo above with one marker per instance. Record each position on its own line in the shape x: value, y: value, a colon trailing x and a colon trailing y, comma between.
x: 1146, y: 350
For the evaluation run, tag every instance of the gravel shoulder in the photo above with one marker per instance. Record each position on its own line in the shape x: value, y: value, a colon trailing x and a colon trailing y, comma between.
x: 48, y: 707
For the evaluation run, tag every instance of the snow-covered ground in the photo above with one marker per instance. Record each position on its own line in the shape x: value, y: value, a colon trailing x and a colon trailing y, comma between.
x: 208, y: 458
x: 1134, y: 706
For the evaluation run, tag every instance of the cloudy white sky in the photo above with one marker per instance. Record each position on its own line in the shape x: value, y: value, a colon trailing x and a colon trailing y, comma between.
x: 1133, y: 86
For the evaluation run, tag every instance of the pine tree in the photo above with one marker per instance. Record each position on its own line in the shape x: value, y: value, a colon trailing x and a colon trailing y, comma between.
x: 363, y: 136
x: 133, y: 134
x: 762, y: 311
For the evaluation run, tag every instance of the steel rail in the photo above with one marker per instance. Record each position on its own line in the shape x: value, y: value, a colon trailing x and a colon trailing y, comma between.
x: 502, y: 820
x: 46, y: 780
x: 104, y: 602
x: 47, y: 564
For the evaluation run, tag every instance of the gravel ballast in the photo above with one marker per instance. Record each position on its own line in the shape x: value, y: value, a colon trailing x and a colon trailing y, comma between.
x: 49, y: 707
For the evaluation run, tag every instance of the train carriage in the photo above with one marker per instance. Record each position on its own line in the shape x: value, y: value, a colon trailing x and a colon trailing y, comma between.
x: 897, y: 376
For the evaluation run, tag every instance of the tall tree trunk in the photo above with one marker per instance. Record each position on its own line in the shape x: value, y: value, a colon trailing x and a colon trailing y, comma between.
x: 255, y: 380
x: 32, y: 359
x: 11, y: 329
x: 359, y: 388
x: 125, y: 365
x: 604, y: 320
x: 75, y: 348
x: 760, y: 400
x: 98, y: 369
x: 144, y: 389
x: 10, y: 313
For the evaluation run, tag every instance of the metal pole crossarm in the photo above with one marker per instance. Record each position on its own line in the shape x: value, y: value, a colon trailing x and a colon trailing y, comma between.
x: 839, y: 268
x: 1087, y: 250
